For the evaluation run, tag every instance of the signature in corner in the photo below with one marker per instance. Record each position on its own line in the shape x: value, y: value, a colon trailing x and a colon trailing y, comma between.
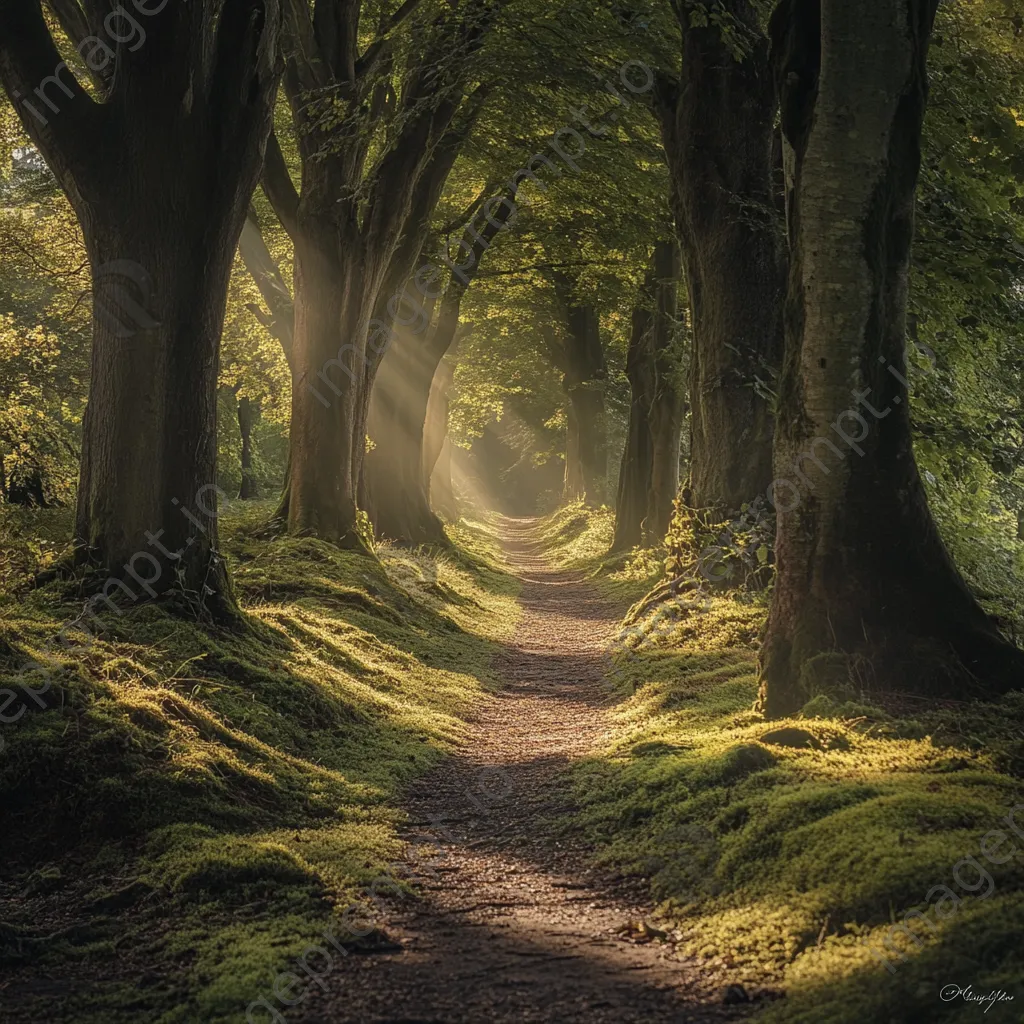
x: 966, y: 992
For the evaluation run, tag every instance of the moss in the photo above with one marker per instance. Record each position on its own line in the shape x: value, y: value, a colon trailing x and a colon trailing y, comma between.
x: 578, y: 537
x: 789, y: 860
x: 199, y: 804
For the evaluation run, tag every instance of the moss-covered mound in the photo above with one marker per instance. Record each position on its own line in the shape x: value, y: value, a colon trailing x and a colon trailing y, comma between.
x: 185, y: 808
x: 857, y: 857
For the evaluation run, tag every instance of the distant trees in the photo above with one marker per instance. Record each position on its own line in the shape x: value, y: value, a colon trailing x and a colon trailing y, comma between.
x: 158, y: 157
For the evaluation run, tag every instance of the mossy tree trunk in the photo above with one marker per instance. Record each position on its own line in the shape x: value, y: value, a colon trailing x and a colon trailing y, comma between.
x: 865, y: 590
x: 160, y: 233
x: 717, y: 127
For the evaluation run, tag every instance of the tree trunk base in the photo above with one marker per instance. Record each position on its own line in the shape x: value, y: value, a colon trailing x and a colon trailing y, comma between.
x: 425, y: 529
x: 972, y: 665
x: 110, y: 595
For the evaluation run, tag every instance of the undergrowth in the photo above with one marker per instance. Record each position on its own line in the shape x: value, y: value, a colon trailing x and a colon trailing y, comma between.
x: 192, y: 806
x: 788, y: 853
x: 577, y: 536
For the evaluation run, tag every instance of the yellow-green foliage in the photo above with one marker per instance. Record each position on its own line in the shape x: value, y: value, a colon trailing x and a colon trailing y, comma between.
x: 239, y: 787
x: 578, y: 537
x: 790, y: 861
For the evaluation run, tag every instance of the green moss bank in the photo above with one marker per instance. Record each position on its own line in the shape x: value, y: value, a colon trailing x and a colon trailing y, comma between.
x: 186, y: 808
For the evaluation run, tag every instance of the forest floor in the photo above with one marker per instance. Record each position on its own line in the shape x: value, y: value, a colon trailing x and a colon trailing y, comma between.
x: 452, y: 787
x: 514, y: 923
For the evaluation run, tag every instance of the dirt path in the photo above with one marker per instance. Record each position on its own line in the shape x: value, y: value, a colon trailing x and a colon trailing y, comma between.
x: 512, y: 925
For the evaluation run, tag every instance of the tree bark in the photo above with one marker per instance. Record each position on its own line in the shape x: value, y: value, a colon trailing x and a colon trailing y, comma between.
x: 575, y: 485
x: 442, y: 489
x: 649, y: 474
x: 398, y: 482
x: 331, y: 303
x: 397, y: 485
x: 437, y: 448
x: 248, y: 414
x: 161, y: 235
x: 586, y: 455
x: 866, y: 595
x: 435, y: 429
x: 636, y: 469
x: 669, y: 402
x: 717, y: 128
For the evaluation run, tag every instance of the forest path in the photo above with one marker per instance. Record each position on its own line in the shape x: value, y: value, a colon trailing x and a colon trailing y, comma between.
x: 513, y: 925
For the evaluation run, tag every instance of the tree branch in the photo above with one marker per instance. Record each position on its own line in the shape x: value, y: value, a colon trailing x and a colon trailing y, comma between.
x: 72, y: 19
x: 336, y: 28
x: 279, y: 188
x: 306, y: 66
x: 267, y: 276
x: 373, y: 53
x: 57, y: 113
x: 400, y: 15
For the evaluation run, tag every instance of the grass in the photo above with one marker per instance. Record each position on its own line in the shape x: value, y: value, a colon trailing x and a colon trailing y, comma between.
x: 193, y: 806
x: 784, y: 852
x: 578, y: 537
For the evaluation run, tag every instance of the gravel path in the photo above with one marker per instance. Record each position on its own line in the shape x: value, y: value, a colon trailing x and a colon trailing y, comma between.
x: 512, y: 924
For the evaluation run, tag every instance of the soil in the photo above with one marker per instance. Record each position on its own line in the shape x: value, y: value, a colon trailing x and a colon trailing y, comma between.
x: 513, y: 923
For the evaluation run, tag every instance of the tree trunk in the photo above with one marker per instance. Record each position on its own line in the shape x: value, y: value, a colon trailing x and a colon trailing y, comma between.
x: 396, y: 481
x: 575, y: 486
x: 649, y: 474
x: 666, y: 411
x: 866, y: 595
x: 358, y: 223
x: 635, y: 472
x: 149, y: 445
x: 327, y: 421
x: 248, y: 414
x: 586, y: 456
x: 161, y: 235
x: 442, y: 491
x: 437, y: 452
x: 717, y: 127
